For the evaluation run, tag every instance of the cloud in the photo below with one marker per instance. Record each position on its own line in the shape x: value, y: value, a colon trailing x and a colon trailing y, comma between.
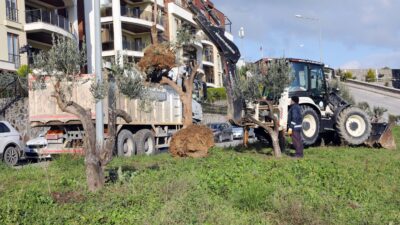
x: 351, y: 65
x: 354, y: 24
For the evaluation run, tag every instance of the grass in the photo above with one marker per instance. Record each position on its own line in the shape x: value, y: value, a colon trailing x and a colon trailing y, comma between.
x: 329, y: 186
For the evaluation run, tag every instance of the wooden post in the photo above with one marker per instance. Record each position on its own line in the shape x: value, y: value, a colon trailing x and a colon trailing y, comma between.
x: 245, y: 136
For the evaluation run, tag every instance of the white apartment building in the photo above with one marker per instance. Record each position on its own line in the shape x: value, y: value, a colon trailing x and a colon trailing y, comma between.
x: 33, y: 22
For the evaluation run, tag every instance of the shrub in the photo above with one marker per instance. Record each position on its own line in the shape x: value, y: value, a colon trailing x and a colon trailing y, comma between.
x: 343, y: 91
x: 216, y: 94
x: 347, y: 75
x: 23, y: 71
x: 370, y: 77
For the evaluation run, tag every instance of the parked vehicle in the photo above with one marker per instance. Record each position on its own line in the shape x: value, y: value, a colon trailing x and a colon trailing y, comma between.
x: 221, y: 131
x: 150, y: 129
x: 10, y: 144
x: 238, y: 132
x: 34, y: 147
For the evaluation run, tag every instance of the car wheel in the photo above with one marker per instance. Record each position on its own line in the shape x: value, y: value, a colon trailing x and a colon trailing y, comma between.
x: 11, y: 156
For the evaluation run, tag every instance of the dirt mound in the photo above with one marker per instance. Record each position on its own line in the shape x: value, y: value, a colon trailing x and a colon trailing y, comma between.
x: 193, y: 141
x: 157, y: 57
x: 67, y: 197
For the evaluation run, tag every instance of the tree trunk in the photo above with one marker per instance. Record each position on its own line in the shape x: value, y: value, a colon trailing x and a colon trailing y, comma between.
x: 94, y: 173
x: 187, y: 110
x: 273, y: 133
x: 94, y: 170
x: 275, y: 144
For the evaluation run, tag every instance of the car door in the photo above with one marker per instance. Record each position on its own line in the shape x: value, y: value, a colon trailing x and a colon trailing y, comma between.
x: 4, y: 136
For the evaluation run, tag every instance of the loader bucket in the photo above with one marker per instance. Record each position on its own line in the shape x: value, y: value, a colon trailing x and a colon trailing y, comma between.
x: 381, y: 136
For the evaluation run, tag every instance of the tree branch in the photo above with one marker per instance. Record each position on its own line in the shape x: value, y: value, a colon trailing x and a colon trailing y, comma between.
x: 171, y: 83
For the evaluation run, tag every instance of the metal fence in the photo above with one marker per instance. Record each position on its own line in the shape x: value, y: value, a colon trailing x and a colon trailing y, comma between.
x: 12, y: 14
x: 133, y: 46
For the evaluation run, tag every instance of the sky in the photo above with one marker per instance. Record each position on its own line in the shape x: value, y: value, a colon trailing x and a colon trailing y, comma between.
x: 354, y: 34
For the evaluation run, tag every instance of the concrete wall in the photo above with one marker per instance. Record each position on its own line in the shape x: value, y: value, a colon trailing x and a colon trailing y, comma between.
x: 213, y: 118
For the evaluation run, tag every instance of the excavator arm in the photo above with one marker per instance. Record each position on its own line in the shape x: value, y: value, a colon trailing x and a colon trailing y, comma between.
x: 227, y: 49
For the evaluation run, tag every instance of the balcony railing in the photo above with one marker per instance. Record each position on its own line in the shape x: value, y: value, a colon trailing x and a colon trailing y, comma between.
x: 12, y: 14
x: 133, y: 46
x: 208, y: 58
x: 15, y: 59
x: 143, y: 15
x: 40, y: 15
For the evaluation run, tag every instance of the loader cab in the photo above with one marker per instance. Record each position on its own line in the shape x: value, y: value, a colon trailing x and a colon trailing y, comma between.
x: 308, y: 80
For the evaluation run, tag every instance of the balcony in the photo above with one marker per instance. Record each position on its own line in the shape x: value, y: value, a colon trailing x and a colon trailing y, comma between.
x: 12, y: 14
x: 40, y: 24
x: 133, y: 46
x: 142, y: 19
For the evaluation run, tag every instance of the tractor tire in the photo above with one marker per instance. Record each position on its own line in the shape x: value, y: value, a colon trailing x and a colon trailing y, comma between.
x: 311, y: 126
x: 353, y: 126
x: 11, y: 155
x: 145, y: 142
x: 126, y: 144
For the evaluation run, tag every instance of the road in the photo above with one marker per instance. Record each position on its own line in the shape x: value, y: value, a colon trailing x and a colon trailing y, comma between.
x: 392, y: 103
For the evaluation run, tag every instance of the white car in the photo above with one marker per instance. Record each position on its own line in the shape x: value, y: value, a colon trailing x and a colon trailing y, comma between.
x: 11, y: 145
x: 34, y: 147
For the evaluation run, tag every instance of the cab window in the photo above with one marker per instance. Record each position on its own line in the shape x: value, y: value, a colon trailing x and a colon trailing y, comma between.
x: 317, y: 80
x: 299, y: 74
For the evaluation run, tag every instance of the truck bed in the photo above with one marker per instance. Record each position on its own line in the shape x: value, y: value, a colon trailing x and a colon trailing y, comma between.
x: 165, y: 109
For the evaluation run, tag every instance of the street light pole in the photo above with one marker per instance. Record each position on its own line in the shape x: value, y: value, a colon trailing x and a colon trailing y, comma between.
x: 98, y: 72
x: 241, y: 36
x: 320, y: 31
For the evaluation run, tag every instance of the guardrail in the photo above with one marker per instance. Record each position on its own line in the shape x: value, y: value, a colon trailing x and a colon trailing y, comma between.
x: 374, y: 86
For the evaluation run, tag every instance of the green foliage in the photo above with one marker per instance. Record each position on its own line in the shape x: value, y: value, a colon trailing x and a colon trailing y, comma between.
x: 268, y: 80
x: 394, y: 118
x: 12, y: 85
x: 277, y: 78
x: 63, y: 62
x: 331, y: 185
x: 376, y: 113
x: 185, y: 34
x: 216, y: 94
x: 343, y: 91
x: 371, y: 76
x: 24, y: 71
x: 347, y: 75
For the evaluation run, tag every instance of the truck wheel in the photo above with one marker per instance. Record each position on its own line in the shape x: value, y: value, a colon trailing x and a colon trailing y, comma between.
x: 11, y: 156
x: 126, y: 144
x: 353, y: 126
x: 145, y: 142
x: 310, y: 125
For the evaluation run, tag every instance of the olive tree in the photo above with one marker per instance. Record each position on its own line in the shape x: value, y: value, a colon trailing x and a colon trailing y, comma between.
x: 265, y: 85
x: 61, y: 67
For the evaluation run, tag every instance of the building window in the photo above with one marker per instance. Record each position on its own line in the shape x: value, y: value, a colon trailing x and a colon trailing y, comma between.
x: 11, y: 10
x: 13, y: 49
